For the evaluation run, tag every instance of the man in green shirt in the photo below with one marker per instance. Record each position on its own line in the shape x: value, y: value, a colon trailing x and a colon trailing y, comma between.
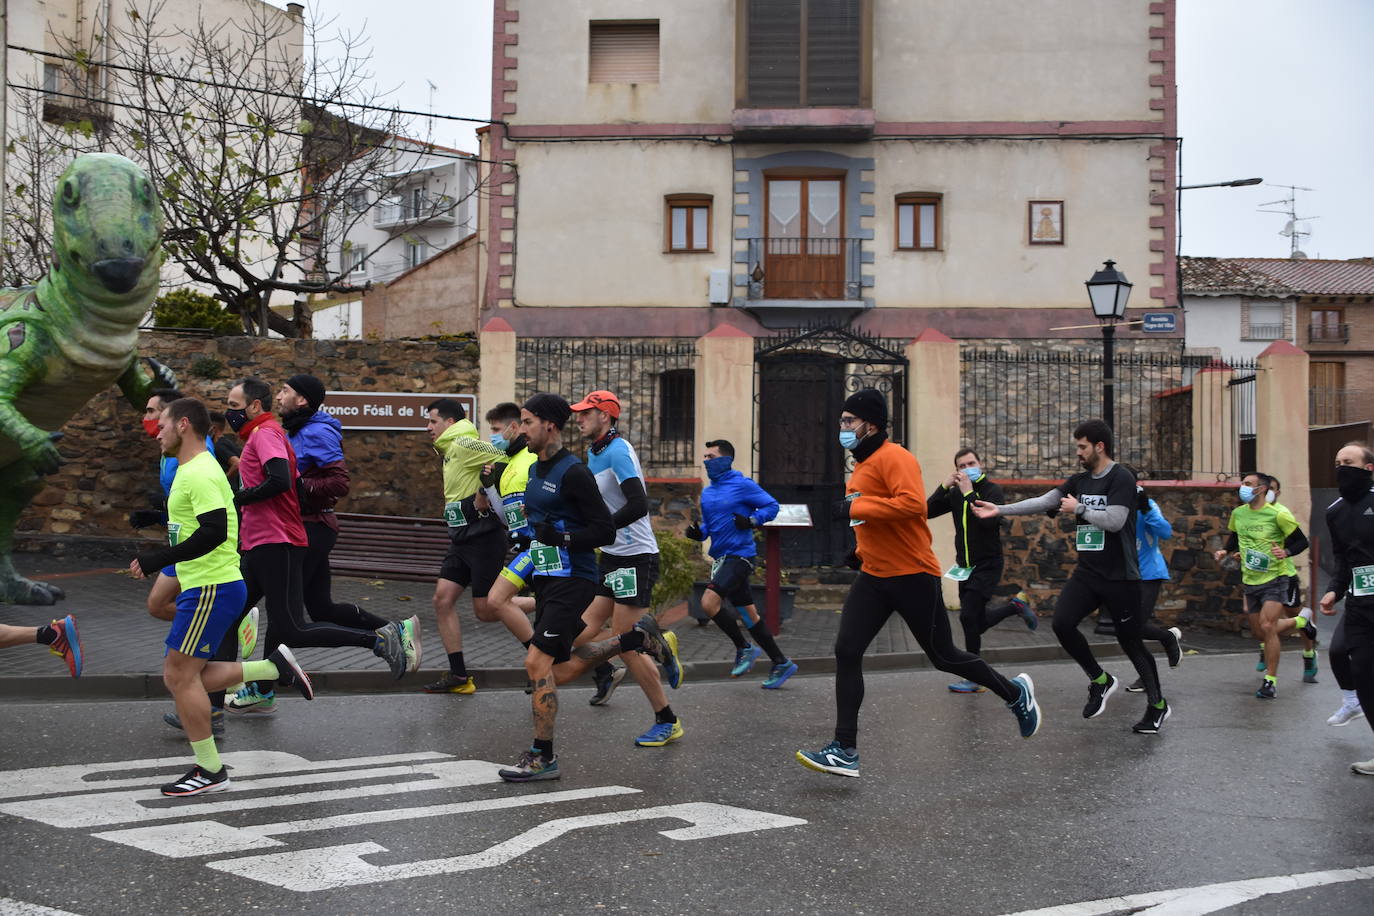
x: 1261, y: 528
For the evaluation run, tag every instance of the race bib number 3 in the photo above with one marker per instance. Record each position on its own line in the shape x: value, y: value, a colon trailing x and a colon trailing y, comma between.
x: 173, y: 533
x: 623, y: 583
x: 959, y: 573
x: 1256, y: 560
x: 1362, y: 581
x: 453, y: 515
x: 1090, y: 537
x: 546, y: 559
x: 515, y: 515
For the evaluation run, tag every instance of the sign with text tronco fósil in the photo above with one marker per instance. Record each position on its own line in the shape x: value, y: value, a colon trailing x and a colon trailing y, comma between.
x: 400, y: 411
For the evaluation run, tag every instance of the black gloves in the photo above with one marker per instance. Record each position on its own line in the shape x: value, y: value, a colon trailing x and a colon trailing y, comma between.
x: 547, y: 533
x: 839, y: 510
x: 743, y: 522
x: 1142, y: 501
x: 852, y: 561
x: 143, y: 518
x: 694, y: 532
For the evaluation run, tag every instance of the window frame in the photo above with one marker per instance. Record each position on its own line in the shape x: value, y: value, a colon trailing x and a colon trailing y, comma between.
x: 689, y: 202
x: 676, y: 422
x: 742, y: 95
x: 1335, y: 327
x: 917, y: 199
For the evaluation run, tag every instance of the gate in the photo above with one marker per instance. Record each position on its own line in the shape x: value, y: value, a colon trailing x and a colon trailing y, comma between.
x: 802, y: 381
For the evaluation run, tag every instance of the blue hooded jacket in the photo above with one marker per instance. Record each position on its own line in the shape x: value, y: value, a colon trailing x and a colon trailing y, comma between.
x: 318, y: 442
x: 732, y: 492
x: 1151, y: 528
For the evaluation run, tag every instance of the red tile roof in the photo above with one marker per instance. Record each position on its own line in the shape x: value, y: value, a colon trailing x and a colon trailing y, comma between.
x: 1278, y: 278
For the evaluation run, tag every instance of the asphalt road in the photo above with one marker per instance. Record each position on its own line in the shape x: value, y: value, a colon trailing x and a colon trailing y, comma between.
x: 389, y: 804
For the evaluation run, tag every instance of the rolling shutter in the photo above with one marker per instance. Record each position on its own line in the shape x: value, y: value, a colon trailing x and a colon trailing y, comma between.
x: 775, y: 53
x: 624, y: 52
x: 833, y: 47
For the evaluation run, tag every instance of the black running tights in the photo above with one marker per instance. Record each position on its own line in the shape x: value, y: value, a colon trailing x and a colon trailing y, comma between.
x: 1359, y: 640
x: 316, y: 584
x: 1339, y: 652
x: 1121, y: 598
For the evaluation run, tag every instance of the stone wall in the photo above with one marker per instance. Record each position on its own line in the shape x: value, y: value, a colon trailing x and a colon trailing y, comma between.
x: 111, y: 464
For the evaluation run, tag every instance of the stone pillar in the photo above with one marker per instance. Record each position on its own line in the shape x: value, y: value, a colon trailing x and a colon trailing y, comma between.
x: 934, y: 428
x: 1281, y: 430
x: 725, y: 394
x: 497, y: 366
x: 1215, y: 447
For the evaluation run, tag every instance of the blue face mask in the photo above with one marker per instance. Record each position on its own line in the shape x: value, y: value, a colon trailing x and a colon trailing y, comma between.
x: 500, y: 441
x: 973, y: 472
x: 717, y: 467
x: 1246, y: 493
x: 849, y: 439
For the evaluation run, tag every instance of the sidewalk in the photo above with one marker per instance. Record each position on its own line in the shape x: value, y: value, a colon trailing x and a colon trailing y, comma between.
x: 123, y: 645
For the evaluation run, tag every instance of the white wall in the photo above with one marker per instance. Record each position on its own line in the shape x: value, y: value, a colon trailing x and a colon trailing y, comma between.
x: 1214, y: 324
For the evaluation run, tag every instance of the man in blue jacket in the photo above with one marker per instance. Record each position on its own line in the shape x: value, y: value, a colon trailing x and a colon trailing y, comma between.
x: 732, y: 506
x: 1151, y: 527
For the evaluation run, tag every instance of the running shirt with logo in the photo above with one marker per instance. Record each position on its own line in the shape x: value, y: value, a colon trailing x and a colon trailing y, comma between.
x: 200, y: 487
x: 1110, y: 555
x: 510, y: 492
x: 1258, y: 531
x: 277, y: 519
x: 612, y: 466
x: 552, y: 495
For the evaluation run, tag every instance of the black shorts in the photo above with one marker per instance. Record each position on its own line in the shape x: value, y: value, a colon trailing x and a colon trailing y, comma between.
x: 628, y: 580
x: 1283, y: 589
x: 558, y: 606
x: 475, y: 562
x: 730, y: 579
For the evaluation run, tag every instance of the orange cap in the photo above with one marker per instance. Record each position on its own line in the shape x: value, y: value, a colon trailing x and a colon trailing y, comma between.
x: 600, y: 400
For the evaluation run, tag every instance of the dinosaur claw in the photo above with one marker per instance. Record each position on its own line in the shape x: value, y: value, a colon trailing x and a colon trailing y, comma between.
x: 164, y: 376
x: 19, y: 590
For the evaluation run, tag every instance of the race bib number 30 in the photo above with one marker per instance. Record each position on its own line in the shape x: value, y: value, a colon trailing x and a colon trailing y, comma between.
x: 1256, y: 560
x: 1090, y: 537
x: 623, y: 583
x: 546, y: 559
x: 1362, y: 581
x: 515, y: 515
x: 453, y: 515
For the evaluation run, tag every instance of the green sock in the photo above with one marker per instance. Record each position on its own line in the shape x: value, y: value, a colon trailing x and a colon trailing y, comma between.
x: 206, y: 755
x: 260, y: 671
x: 1271, y: 679
x: 1160, y: 705
x: 1309, y: 653
x: 1101, y: 678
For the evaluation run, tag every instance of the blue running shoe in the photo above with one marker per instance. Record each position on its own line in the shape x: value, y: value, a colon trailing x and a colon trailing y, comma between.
x: 1021, y: 602
x: 966, y: 687
x: 662, y: 733
x: 1024, y: 707
x: 779, y: 674
x: 67, y: 645
x: 831, y: 759
x: 661, y: 647
x: 744, y: 660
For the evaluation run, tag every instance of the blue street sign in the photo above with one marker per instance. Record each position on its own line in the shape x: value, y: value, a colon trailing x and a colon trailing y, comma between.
x: 1159, y: 322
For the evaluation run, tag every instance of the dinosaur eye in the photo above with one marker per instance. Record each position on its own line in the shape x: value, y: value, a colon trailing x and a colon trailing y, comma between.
x: 143, y: 189
x: 71, y: 193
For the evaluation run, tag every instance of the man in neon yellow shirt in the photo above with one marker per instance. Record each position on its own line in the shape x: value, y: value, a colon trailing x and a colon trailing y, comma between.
x: 1261, y: 529
x: 505, y: 482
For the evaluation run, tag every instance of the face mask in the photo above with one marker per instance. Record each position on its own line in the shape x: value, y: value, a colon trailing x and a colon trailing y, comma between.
x: 1246, y: 493
x: 150, y: 426
x: 1353, y: 482
x: 235, y: 418
x: 1270, y: 497
x: 717, y: 467
x: 849, y: 439
x: 500, y: 442
x: 972, y: 472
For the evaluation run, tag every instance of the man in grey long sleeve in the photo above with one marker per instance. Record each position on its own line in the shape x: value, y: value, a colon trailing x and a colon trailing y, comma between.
x: 1102, y: 499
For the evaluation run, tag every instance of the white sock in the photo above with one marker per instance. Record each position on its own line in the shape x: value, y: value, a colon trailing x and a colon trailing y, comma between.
x: 1349, y: 698
x: 1306, y: 612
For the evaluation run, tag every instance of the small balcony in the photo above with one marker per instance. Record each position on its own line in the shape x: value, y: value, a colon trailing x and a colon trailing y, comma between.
x: 413, y: 209
x: 809, y: 269
x: 1264, y: 332
x: 1328, y: 333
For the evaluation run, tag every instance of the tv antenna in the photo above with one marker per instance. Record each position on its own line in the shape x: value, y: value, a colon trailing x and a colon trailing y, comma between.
x: 1291, y: 229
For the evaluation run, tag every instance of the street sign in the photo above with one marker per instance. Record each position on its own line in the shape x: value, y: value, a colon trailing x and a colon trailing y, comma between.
x: 1159, y: 323
x: 393, y: 410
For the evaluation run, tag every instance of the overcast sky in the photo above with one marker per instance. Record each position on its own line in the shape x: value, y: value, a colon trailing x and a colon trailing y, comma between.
x: 1277, y: 89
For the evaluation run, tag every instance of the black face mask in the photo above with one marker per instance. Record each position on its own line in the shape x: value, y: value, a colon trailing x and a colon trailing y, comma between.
x: 235, y: 418
x: 1353, y: 482
x: 293, y: 420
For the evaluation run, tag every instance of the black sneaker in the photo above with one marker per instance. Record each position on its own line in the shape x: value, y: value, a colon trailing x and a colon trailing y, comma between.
x: 392, y: 647
x: 1098, y: 695
x: 1173, y: 646
x: 216, y: 722
x: 605, y: 686
x: 198, y: 782
x: 1267, y: 690
x: 287, y: 666
x: 1137, y: 687
x: 1152, y: 720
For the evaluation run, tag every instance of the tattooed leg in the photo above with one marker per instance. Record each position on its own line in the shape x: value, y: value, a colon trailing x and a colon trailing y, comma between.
x: 587, y: 657
x: 544, y: 699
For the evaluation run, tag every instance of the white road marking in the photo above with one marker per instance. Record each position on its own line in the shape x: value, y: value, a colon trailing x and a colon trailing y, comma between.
x: 204, y: 838
x: 12, y: 907
x: 343, y: 866
x: 78, y: 777
x: 108, y: 808
x: 1209, y: 898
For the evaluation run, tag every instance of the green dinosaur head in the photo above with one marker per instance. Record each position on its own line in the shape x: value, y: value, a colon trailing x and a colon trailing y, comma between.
x: 107, y: 231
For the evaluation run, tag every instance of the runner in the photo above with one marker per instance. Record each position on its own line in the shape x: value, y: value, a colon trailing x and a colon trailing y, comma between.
x: 732, y: 506
x: 978, y: 561
x: 1350, y: 519
x: 628, y: 566
x: 505, y: 483
x: 1269, y: 576
x: 885, y: 504
x: 1102, y: 500
x: 1295, y: 544
x: 477, y: 534
x: 273, y: 542
x: 202, y: 529
x: 570, y: 520
x: 61, y: 637
x: 1151, y: 527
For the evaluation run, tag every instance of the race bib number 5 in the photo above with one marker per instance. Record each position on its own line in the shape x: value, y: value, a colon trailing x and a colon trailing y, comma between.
x: 546, y: 559
x: 623, y: 583
x: 1362, y: 581
x: 1090, y: 537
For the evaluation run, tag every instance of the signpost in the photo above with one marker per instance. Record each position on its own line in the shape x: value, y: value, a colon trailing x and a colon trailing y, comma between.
x: 790, y: 515
x: 1159, y: 323
x: 389, y: 410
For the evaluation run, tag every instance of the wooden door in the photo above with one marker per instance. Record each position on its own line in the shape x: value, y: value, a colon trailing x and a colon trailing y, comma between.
x: 804, y: 248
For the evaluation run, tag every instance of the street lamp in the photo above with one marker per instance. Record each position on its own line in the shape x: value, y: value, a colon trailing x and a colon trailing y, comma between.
x: 1235, y: 183
x: 1108, y: 290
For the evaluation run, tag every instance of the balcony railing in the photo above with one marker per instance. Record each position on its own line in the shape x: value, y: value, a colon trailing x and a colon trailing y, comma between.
x: 1265, y: 332
x: 430, y: 208
x: 805, y: 268
x: 1328, y: 333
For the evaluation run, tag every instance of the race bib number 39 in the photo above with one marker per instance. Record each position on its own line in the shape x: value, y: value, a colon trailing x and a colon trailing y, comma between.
x: 453, y: 515
x: 1090, y: 537
x: 623, y: 583
x: 1257, y: 560
x: 546, y: 559
x: 1362, y: 581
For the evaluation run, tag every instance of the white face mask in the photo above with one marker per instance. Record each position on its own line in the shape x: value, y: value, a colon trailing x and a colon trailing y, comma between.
x: 1269, y: 497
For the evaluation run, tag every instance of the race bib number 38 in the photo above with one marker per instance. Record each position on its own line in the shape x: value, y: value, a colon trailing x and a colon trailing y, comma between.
x: 1362, y: 581
x: 1090, y: 537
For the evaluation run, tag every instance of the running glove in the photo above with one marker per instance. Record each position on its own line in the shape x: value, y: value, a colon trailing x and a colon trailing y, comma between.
x: 547, y: 533
x: 694, y: 532
x: 743, y: 522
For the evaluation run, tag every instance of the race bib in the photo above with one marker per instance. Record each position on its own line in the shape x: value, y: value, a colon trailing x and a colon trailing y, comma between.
x: 546, y: 559
x: 1090, y: 537
x: 1256, y: 560
x: 453, y: 515
x: 854, y: 522
x: 959, y: 573
x: 514, y: 513
x: 716, y: 565
x: 1362, y: 581
x: 173, y: 533
x: 623, y: 583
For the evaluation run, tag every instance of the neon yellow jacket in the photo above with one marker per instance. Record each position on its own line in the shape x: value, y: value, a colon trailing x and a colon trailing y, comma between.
x: 464, y: 454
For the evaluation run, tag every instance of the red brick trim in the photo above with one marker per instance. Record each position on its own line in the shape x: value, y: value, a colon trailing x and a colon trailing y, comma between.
x: 1164, y: 156
x: 882, y: 129
x: 501, y: 177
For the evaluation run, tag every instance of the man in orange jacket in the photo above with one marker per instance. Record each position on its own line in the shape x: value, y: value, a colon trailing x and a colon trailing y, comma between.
x: 886, y: 506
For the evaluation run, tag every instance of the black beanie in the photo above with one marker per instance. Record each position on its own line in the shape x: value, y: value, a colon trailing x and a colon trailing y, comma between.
x: 868, y: 405
x: 549, y: 407
x: 308, y: 387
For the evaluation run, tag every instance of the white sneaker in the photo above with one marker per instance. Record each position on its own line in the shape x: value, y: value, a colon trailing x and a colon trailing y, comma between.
x: 1363, y: 767
x: 1345, y: 715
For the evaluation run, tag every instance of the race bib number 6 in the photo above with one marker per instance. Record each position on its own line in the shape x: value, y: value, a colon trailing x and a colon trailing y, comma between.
x: 1090, y: 537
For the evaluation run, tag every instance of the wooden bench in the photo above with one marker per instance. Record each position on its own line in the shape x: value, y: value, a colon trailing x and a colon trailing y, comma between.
x: 389, y: 547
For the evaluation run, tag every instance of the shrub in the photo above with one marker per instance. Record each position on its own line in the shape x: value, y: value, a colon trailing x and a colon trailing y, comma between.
x: 186, y: 308
x: 679, y: 565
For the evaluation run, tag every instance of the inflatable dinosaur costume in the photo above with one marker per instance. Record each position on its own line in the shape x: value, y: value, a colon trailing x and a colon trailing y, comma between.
x: 68, y: 338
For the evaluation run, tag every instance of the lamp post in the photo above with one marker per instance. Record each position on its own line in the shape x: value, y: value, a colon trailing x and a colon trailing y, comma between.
x: 1108, y: 291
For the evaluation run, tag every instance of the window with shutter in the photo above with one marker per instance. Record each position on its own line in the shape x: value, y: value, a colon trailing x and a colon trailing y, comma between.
x: 804, y: 53
x: 623, y: 52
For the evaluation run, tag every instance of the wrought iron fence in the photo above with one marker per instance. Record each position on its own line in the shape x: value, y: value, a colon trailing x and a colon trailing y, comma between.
x: 1019, y: 409
x: 654, y: 381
